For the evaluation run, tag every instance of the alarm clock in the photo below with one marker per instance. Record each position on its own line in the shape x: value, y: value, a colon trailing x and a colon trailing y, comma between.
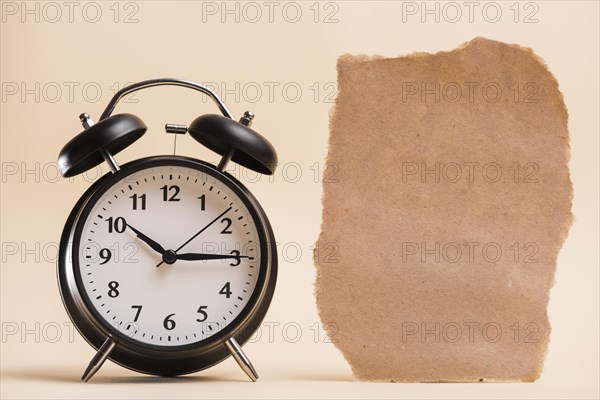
x: 167, y: 264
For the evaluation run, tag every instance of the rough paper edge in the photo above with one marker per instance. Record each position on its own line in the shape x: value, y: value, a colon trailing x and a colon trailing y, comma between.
x: 363, y: 58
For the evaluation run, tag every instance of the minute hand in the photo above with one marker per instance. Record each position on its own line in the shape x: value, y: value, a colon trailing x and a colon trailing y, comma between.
x: 201, y: 256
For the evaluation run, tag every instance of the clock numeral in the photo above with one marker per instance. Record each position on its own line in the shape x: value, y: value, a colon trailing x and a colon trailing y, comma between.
x: 113, y: 292
x: 118, y: 224
x: 237, y: 260
x: 106, y: 255
x: 168, y: 323
x: 173, y: 188
x: 226, y: 290
x: 226, y: 230
x: 137, y: 313
x: 203, y: 314
x: 202, y: 202
x: 142, y: 199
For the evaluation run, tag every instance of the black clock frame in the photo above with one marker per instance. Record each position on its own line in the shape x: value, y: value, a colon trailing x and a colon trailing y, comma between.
x: 148, y: 358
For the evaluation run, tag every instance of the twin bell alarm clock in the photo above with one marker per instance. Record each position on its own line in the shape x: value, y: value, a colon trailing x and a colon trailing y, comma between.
x: 167, y: 264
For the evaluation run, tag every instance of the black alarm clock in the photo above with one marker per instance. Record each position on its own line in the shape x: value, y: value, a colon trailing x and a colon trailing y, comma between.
x: 167, y: 264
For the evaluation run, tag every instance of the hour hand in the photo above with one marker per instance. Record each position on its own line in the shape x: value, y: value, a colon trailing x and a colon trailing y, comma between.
x: 154, y: 245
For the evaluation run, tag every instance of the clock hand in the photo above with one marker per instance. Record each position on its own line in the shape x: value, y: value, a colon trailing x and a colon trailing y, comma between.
x: 196, y: 235
x: 154, y: 245
x: 201, y: 256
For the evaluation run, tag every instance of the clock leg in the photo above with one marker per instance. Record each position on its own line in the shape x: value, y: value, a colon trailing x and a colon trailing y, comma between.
x: 241, y: 358
x: 101, y: 356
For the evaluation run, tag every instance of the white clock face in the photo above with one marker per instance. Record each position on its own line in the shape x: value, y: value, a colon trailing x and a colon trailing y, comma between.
x: 169, y: 255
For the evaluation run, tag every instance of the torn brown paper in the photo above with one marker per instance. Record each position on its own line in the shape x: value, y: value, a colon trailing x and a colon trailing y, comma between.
x: 447, y: 198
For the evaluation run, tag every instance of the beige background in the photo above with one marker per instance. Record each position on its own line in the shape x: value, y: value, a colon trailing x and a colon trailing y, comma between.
x: 178, y: 39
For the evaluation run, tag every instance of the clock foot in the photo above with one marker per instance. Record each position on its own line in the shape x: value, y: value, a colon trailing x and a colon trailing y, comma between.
x: 241, y: 358
x: 101, y: 356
